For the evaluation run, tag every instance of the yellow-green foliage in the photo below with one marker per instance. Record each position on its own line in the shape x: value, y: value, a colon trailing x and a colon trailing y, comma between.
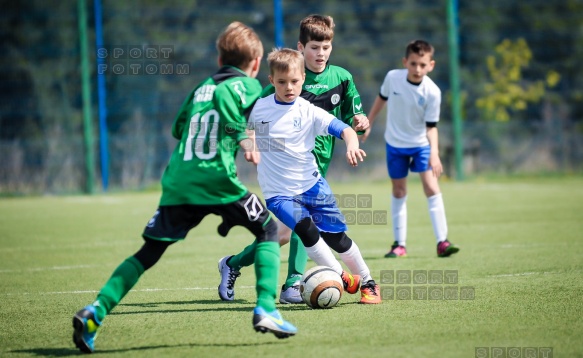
x: 506, y: 90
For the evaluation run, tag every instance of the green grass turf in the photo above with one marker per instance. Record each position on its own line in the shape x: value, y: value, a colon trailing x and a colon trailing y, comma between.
x: 521, y: 254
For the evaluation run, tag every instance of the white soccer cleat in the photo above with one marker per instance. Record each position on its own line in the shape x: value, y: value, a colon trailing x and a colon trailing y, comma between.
x: 228, y: 278
x: 291, y: 295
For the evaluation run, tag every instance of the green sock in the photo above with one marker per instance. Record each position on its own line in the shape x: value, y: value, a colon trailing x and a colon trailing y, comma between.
x: 244, y: 258
x: 297, y: 261
x: 121, y: 282
x: 267, y: 272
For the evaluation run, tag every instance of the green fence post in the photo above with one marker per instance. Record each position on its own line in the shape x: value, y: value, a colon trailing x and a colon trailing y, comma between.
x: 455, y: 87
x: 86, y: 93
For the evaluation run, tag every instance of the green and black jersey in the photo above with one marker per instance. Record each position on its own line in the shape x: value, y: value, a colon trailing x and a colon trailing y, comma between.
x: 333, y: 90
x: 209, y: 125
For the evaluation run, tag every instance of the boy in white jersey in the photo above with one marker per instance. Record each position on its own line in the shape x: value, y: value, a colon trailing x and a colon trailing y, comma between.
x: 412, y: 142
x: 286, y: 127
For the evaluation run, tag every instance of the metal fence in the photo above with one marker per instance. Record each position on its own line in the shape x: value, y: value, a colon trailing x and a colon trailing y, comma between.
x: 41, y: 128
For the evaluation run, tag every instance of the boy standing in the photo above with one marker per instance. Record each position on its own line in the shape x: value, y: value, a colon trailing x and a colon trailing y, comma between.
x: 295, y: 192
x: 332, y: 89
x: 199, y: 180
x: 412, y: 142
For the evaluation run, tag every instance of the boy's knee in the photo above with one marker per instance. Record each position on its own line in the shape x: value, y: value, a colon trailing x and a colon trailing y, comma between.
x: 308, y: 232
x: 151, y: 252
x: 338, y: 241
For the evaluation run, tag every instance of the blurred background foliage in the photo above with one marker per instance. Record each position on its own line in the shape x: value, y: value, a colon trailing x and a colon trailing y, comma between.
x: 522, y: 84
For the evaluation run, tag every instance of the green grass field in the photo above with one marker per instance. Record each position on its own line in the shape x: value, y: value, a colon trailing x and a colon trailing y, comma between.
x: 522, y: 255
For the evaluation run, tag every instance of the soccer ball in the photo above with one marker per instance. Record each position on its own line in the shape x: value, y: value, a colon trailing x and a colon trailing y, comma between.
x: 321, y: 287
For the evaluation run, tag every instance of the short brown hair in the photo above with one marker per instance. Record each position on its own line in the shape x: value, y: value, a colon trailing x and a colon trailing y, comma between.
x: 316, y: 28
x: 238, y: 45
x: 419, y: 47
x: 282, y: 60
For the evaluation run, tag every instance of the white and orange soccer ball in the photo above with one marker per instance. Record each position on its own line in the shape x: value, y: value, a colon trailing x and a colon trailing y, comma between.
x: 321, y: 287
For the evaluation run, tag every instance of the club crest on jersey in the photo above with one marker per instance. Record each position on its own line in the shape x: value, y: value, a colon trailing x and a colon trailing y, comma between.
x: 253, y: 208
x: 297, y: 122
x: 421, y: 101
x: 335, y: 98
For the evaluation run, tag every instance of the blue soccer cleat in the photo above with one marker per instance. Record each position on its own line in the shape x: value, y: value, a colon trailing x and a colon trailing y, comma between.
x: 85, y: 325
x: 264, y: 321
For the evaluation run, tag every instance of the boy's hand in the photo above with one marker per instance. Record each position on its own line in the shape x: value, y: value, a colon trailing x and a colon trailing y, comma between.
x: 435, y: 164
x: 365, y: 135
x: 360, y: 122
x: 253, y: 157
x: 353, y: 155
x: 248, y: 147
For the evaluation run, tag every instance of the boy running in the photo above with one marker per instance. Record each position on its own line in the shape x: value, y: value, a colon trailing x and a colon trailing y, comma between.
x: 332, y: 89
x: 201, y: 179
x: 412, y: 142
x: 295, y: 192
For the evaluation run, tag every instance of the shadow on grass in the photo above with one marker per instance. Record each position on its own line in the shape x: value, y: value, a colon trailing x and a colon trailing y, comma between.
x: 193, y: 302
x: 211, y: 305
x: 66, y: 352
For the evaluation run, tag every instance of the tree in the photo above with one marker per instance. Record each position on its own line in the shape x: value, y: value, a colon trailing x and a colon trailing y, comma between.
x: 506, y: 91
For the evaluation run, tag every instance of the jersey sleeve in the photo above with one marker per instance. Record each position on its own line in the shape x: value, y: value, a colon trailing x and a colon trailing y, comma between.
x: 351, y: 104
x: 182, y: 119
x: 321, y: 119
x: 432, y: 108
x: 385, y: 87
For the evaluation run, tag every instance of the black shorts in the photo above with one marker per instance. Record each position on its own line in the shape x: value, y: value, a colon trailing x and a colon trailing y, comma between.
x: 173, y: 222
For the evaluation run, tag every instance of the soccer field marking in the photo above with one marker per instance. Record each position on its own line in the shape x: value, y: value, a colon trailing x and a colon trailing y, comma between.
x: 36, y: 269
x: 526, y: 274
x: 94, y: 291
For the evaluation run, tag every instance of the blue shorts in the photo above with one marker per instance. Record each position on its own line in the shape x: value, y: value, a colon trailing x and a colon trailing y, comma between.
x: 318, y: 203
x: 400, y: 160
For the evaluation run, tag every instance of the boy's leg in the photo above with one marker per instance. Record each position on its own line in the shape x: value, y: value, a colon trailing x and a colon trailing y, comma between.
x: 267, y: 262
x: 124, y: 277
x: 437, y: 214
x: 398, y: 162
x: 297, y: 261
x: 244, y: 258
x: 351, y: 256
x: 266, y: 318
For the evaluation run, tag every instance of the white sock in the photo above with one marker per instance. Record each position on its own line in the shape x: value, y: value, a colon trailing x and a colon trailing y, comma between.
x: 399, y: 213
x: 437, y: 214
x: 355, y: 263
x: 321, y: 254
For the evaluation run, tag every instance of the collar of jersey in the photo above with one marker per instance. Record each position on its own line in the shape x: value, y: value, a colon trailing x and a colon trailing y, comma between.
x: 283, y: 103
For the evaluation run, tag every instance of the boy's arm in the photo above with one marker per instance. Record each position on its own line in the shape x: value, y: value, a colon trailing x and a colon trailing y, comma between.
x: 360, y: 122
x: 342, y: 130
x: 377, y: 106
x: 249, y: 148
x: 434, y: 161
x: 182, y: 117
x: 353, y: 152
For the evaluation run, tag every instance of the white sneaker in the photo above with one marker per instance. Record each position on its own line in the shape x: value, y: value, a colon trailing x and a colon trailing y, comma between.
x: 228, y: 278
x: 291, y: 295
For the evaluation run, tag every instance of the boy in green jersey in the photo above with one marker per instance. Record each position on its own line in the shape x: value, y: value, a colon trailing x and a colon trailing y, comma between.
x: 331, y: 88
x: 201, y: 179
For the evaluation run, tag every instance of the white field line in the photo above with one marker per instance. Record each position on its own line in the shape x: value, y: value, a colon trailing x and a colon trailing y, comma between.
x: 525, y: 274
x: 49, y: 268
x: 140, y: 290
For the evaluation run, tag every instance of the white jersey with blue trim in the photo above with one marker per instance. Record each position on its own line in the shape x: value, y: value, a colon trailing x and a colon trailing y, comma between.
x: 285, y: 135
x: 409, y: 108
